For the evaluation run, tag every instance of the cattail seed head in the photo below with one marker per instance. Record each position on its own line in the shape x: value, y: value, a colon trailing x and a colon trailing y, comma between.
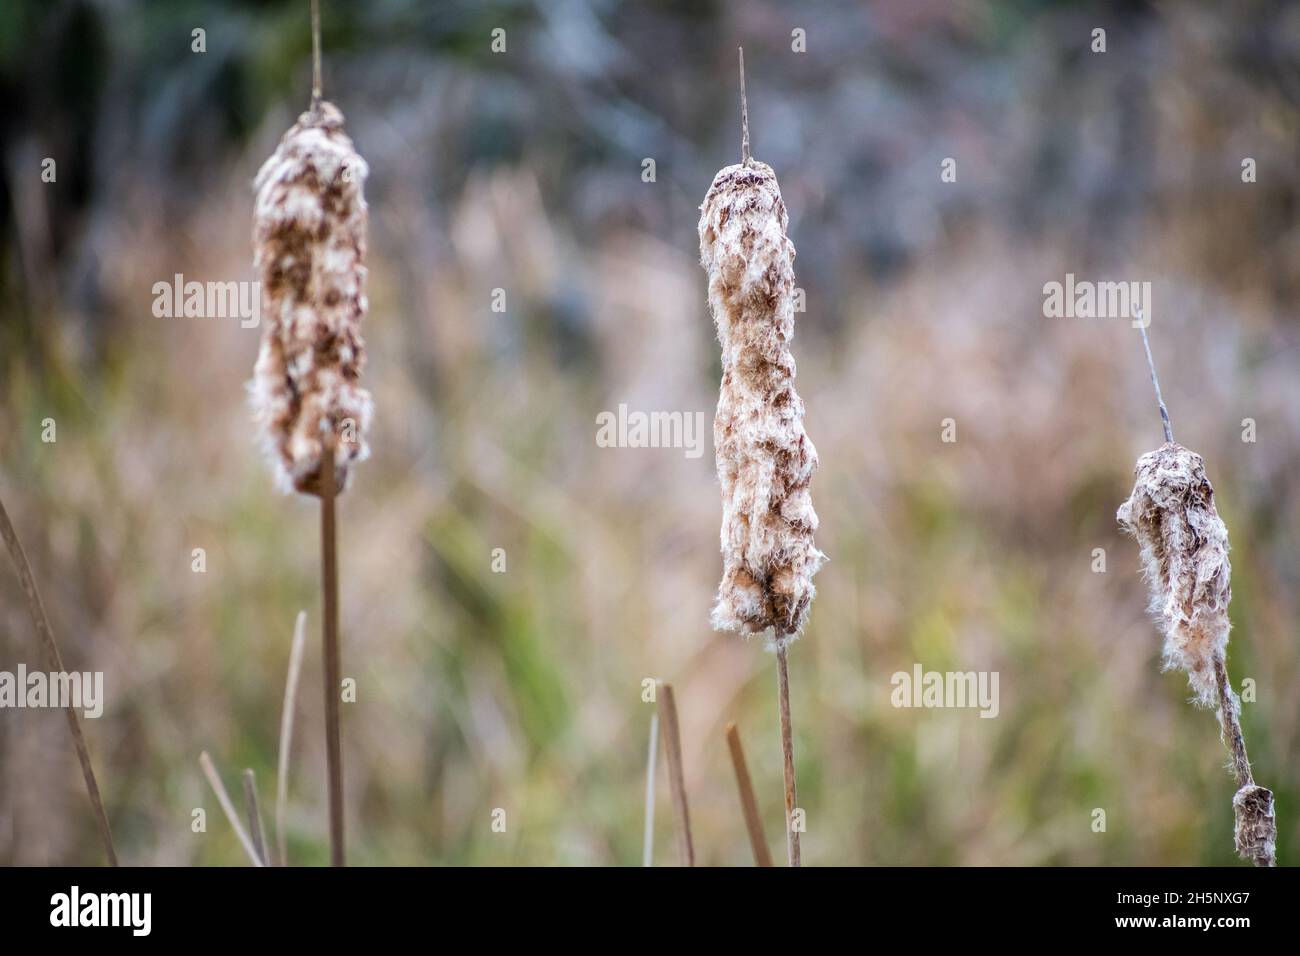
x: 765, y: 460
x: 309, y: 237
x: 1184, y: 547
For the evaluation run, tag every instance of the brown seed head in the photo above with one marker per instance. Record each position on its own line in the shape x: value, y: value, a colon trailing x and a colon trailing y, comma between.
x: 309, y: 237
x: 765, y: 460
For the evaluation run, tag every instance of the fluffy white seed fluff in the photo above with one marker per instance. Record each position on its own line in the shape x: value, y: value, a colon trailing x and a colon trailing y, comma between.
x: 1184, y: 547
x: 309, y: 236
x: 765, y: 460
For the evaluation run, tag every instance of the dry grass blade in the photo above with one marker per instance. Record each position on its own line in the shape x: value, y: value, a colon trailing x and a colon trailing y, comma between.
x: 227, y: 807
x: 748, y: 802
x: 46, y: 633
x: 676, y: 776
x: 255, y: 816
x: 286, y: 732
x: 648, y: 845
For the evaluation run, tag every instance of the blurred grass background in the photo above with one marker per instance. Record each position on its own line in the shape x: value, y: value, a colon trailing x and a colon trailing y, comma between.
x: 522, y: 171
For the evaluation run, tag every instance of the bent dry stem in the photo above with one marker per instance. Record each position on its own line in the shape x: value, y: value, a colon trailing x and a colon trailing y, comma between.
x: 55, y: 659
x: 1184, y: 549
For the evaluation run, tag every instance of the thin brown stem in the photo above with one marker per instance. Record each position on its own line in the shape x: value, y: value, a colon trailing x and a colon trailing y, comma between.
x: 1155, y: 380
x: 286, y: 732
x: 55, y: 663
x: 745, y: 156
x: 748, y: 802
x: 1255, y: 830
x: 787, y: 752
x: 676, y: 777
x: 254, y: 816
x: 315, y: 56
x: 330, y: 639
x: 1231, y: 723
x: 228, y: 807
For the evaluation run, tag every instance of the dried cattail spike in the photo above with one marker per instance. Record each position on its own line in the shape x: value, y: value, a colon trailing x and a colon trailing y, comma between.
x: 1185, y: 555
x: 765, y: 460
x: 309, y: 236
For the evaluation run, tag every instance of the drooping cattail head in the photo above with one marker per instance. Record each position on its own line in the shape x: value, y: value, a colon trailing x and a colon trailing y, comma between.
x: 765, y: 460
x: 1184, y: 547
x: 309, y: 237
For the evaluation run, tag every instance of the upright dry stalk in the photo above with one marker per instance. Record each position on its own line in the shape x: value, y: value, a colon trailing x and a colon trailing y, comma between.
x: 676, y: 774
x: 648, y: 843
x: 787, y: 756
x: 1184, y: 549
x: 55, y: 662
x: 765, y: 460
x: 286, y: 733
x: 228, y: 808
x: 748, y: 802
x: 255, y: 816
x: 309, y: 236
x: 330, y: 637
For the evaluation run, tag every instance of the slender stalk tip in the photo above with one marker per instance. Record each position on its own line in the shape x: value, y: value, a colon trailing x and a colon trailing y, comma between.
x: 745, y: 156
x: 1155, y: 380
x: 315, y: 57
